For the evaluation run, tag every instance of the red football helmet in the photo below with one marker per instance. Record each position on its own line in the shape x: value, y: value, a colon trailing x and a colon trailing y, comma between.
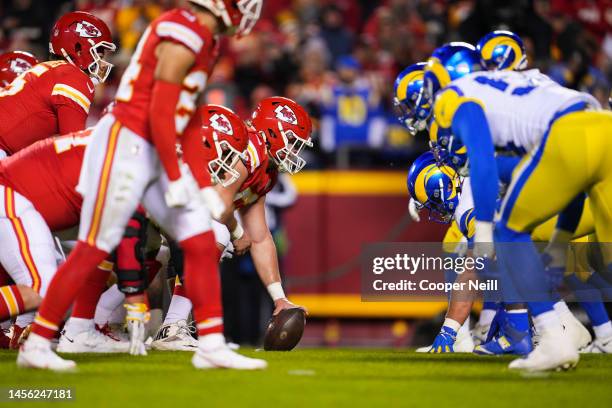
x: 225, y: 139
x: 286, y: 127
x: 14, y: 63
x: 240, y: 15
x: 82, y: 39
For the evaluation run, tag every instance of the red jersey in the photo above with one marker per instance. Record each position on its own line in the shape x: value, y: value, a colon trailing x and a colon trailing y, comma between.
x: 135, y: 91
x: 50, y: 98
x: 262, y: 177
x: 46, y: 173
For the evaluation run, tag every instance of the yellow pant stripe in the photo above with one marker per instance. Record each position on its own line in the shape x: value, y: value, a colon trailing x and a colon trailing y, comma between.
x: 103, y: 187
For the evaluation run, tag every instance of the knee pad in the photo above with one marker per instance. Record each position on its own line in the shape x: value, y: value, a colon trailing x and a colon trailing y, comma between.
x: 132, y: 274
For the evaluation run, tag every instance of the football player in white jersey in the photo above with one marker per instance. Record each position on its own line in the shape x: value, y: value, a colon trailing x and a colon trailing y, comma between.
x: 514, y: 110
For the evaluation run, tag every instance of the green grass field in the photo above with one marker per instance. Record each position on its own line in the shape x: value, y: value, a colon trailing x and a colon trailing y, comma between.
x: 321, y: 377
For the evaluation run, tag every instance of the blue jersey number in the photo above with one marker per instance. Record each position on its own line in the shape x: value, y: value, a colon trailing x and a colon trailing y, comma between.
x: 502, y: 85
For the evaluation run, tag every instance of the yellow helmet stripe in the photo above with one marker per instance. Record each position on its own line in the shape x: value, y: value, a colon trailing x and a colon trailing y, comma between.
x: 487, y: 50
x: 419, y: 184
x: 402, y: 89
x: 434, y: 65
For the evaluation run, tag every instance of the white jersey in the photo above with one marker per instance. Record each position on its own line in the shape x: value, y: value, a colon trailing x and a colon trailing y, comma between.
x: 519, y: 106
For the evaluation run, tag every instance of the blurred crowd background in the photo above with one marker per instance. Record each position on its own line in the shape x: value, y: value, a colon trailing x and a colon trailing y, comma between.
x: 340, y: 57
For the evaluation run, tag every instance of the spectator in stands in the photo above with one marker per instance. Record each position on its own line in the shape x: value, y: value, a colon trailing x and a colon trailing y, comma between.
x: 352, y: 111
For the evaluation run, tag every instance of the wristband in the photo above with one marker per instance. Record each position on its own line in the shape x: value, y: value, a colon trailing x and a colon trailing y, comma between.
x: 276, y: 291
x: 238, y: 232
x: 452, y: 324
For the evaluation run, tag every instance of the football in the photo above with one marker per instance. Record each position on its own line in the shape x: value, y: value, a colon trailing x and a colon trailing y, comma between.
x: 285, y: 330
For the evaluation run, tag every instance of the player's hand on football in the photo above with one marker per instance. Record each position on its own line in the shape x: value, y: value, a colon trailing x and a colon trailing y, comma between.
x: 413, y: 210
x: 444, y: 341
x: 284, y: 303
x: 213, y: 202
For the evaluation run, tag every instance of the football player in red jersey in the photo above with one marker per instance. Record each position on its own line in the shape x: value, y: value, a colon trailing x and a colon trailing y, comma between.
x: 38, y: 195
x: 13, y: 64
x: 54, y: 97
x: 279, y: 130
x: 132, y: 155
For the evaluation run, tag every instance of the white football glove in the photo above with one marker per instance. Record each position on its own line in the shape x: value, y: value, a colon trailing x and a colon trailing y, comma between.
x: 484, y: 246
x: 136, y: 317
x: 213, y: 202
x: 413, y: 210
x: 178, y: 193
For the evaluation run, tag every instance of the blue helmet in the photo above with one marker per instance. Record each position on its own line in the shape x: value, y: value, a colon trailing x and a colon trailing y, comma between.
x: 413, y: 110
x: 447, y: 63
x: 434, y: 187
x: 448, y: 150
x: 502, y: 50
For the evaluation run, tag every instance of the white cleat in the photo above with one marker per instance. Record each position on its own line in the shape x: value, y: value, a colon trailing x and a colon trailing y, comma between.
x: 37, y: 353
x: 553, y: 352
x: 224, y: 357
x: 599, y: 346
x: 90, y: 341
x: 175, y: 337
x: 464, y: 342
x: 479, y: 333
x: 575, y: 331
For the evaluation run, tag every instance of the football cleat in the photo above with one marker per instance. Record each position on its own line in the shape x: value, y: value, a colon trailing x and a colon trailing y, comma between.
x: 518, y: 343
x: 575, y: 331
x: 479, y: 333
x: 5, y: 341
x: 175, y: 337
x: 213, y: 352
x: 554, y: 352
x: 598, y: 346
x: 20, y: 334
x: 224, y: 357
x: 36, y: 353
x: 116, y: 333
x: 136, y: 317
x: 464, y: 342
x: 90, y: 341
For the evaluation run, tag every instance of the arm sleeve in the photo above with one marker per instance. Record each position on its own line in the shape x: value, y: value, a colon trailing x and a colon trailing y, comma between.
x: 70, y: 119
x: 163, y: 127
x: 72, y: 99
x: 470, y: 125
x: 505, y: 167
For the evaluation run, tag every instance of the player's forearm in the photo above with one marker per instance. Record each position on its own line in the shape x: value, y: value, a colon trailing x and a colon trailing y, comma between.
x: 163, y: 129
x: 461, y: 300
x: 265, y: 259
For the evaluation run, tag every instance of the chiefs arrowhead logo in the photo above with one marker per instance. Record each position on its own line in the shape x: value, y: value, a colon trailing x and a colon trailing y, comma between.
x: 221, y: 123
x: 284, y: 113
x: 87, y: 30
x: 19, y: 65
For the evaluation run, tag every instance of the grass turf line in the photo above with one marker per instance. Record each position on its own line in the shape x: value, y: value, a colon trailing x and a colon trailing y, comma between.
x: 318, y: 377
